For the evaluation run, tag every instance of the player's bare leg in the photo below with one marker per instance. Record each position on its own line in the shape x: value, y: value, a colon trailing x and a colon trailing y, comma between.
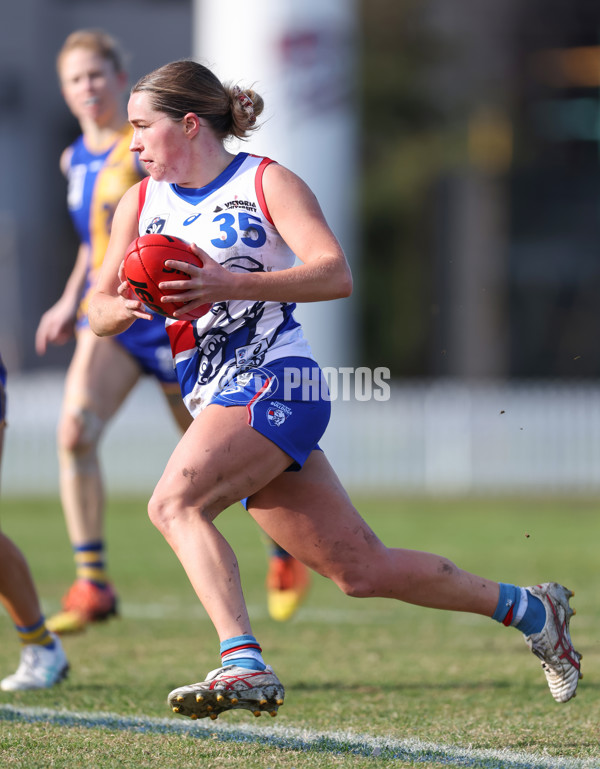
x: 310, y: 514
x: 291, y: 510
x: 17, y: 591
x: 43, y: 662
x: 218, y: 461
x: 288, y: 580
x: 100, y: 377
x: 234, y: 462
x: 181, y: 415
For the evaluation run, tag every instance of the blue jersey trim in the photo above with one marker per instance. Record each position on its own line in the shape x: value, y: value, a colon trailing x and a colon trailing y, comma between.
x: 194, y: 195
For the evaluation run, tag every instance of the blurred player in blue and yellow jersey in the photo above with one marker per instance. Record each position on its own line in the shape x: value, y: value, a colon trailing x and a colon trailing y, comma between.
x: 99, y: 168
x: 96, y: 182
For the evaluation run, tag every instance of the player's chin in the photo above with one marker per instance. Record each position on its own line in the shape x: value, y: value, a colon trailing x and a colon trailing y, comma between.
x: 158, y: 173
x: 151, y: 169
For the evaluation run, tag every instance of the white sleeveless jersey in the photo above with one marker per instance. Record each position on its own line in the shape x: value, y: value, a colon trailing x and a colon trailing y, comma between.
x: 229, y: 219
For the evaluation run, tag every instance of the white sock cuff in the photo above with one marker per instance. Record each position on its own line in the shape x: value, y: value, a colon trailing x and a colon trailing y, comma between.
x: 228, y: 658
x: 523, y: 603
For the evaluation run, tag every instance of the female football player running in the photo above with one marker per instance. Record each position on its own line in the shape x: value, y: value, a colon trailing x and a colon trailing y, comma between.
x: 248, y: 378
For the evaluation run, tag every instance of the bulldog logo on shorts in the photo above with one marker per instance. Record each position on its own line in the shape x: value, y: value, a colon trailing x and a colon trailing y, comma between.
x: 277, y: 413
x: 276, y: 417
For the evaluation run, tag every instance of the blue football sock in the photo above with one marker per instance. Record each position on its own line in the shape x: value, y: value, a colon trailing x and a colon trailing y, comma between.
x: 534, y: 617
x: 279, y: 552
x: 508, y: 602
x: 519, y: 608
x: 243, y: 651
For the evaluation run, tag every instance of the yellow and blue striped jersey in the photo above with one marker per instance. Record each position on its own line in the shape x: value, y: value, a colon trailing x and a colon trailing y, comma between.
x: 96, y: 183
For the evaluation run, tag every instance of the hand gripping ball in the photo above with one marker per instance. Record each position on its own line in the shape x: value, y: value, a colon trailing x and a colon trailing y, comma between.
x: 145, y: 269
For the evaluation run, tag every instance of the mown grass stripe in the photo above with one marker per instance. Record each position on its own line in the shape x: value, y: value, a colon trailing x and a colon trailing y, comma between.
x: 291, y: 738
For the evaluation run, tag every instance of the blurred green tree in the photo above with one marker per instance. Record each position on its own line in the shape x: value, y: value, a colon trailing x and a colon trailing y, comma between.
x: 404, y: 143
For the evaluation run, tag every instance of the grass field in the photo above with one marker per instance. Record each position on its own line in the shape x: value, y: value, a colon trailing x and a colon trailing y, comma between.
x: 368, y: 683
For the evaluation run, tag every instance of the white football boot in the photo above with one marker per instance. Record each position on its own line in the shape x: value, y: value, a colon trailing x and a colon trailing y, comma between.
x: 228, y: 688
x: 560, y: 661
x: 40, y: 668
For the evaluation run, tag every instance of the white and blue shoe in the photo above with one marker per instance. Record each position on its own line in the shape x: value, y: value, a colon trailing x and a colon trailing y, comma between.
x: 40, y: 668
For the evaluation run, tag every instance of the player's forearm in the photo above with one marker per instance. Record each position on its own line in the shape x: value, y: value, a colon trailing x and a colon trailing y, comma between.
x: 320, y: 280
x: 107, y: 316
x: 75, y: 285
x: 72, y: 293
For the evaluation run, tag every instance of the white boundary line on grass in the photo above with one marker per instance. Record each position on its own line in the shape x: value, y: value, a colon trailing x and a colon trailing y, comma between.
x: 293, y: 738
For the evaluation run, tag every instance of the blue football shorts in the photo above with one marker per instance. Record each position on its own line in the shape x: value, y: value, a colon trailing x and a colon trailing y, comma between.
x: 287, y: 401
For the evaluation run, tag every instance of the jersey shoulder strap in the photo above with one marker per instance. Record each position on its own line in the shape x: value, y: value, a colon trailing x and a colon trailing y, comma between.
x: 142, y: 194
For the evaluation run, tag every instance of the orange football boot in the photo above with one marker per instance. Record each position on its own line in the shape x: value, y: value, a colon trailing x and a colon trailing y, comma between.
x: 85, y: 602
x: 288, y: 582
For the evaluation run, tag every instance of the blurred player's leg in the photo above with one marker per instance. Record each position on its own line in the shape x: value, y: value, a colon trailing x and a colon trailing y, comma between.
x: 99, y: 378
x: 181, y: 415
x: 43, y: 661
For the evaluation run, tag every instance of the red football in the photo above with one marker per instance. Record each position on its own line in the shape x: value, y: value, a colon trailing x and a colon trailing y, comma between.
x: 145, y: 269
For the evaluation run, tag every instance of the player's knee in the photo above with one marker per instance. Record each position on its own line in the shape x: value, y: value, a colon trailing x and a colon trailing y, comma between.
x: 159, y: 512
x: 168, y: 512
x: 355, y: 582
x: 79, y: 431
x: 356, y: 587
x: 171, y: 513
x: 370, y: 577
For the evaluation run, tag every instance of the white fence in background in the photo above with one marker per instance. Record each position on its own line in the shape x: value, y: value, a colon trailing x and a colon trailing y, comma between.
x: 434, y: 437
